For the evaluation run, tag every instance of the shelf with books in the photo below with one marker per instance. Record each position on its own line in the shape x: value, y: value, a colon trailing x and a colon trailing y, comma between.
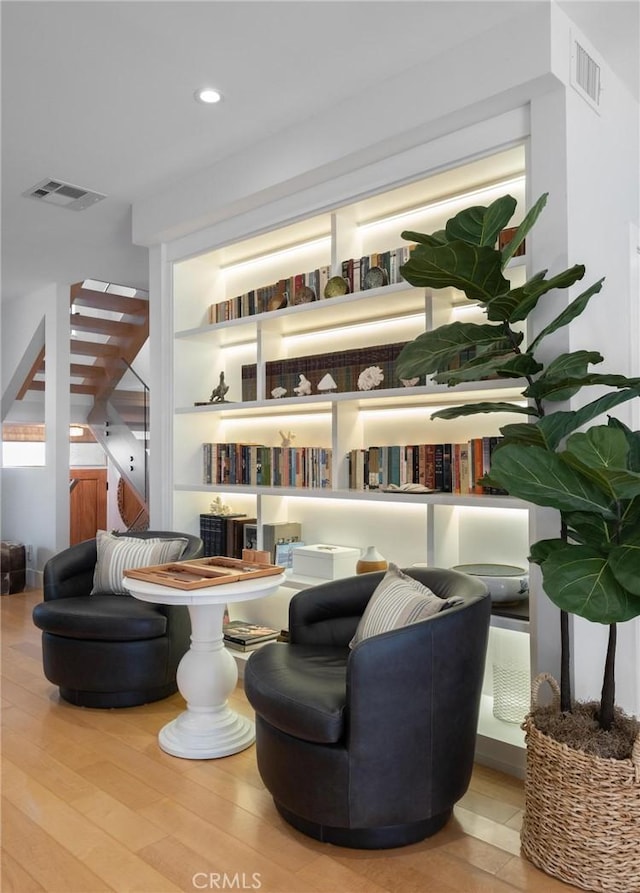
x: 439, y: 528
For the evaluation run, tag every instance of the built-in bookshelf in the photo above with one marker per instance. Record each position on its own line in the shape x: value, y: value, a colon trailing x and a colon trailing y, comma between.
x: 262, y: 409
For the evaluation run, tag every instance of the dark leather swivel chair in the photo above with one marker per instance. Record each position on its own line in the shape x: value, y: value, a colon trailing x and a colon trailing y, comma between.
x: 105, y: 650
x: 372, y: 746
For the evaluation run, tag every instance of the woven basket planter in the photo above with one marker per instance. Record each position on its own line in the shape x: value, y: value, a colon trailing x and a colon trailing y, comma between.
x: 582, y: 812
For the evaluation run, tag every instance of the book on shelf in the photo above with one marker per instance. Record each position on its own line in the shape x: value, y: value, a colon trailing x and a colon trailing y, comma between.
x: 243, y: 633
x: 236, y: 535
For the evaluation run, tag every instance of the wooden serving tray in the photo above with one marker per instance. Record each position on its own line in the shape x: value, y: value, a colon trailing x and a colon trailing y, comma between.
x: 201, y: 572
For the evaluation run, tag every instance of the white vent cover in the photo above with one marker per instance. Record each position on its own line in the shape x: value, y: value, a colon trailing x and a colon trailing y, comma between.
x: 585, y: 73
x: 65, y: 195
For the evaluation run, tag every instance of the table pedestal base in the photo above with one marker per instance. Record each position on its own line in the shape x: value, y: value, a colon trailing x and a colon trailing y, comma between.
x: 207, y: 675
x: 204, y: 736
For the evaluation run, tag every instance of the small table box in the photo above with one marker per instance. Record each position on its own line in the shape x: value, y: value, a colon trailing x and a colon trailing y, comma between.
x: 324, y: 561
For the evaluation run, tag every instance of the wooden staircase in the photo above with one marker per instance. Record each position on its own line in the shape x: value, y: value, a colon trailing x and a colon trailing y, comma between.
x: 106, y: 341
x: 107, y: 330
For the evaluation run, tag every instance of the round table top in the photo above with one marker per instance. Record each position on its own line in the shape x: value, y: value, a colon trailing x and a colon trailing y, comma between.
x: 240, y: 591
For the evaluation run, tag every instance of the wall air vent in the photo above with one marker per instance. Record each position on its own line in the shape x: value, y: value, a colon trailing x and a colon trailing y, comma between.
x: 65, y: 195
x: 585, y: 73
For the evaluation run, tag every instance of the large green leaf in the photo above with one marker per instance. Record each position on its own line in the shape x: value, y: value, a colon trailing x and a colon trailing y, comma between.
x: 579, y: 580
x: 483, y: 366
x: 518, y: 304
x: 625, y: 564
x: 541, y: 550
x: 518, y: 238
x: 599, y: 447
x: 590, y: 529
x: 433, y: 351
x: 455, y: 412
x: 433, y: 239
x: 557, y: 425
x: 570, y: 312
x: 541, y: 477
x: 473, y: 370
x: 617, y: 483
x: 475, y: 270
x: 571, y: 365
x: 633, y: 439
x: 479, y: 225
x: 523, y: 433
x: 545, y: 389
x: 503, y: 304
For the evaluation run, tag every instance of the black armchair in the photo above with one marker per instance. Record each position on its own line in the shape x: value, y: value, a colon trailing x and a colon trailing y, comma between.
x: 106, y: 650
x: 372, y: 746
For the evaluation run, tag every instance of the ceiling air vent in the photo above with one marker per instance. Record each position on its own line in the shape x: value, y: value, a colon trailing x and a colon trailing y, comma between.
x: 585, y: 74
x: 65, y: 195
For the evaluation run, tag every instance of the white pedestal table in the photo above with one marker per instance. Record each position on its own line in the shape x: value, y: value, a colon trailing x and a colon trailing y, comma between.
x: 207, y: 673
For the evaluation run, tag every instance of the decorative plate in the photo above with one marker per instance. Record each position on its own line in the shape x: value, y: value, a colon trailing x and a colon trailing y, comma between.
x: 336, y: 286
x: 375, y: 277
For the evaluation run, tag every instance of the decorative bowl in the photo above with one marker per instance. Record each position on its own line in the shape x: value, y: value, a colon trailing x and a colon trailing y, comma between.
x: 505, y: 582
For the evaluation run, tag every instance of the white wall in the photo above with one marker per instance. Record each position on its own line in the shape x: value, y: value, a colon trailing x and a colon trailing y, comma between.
x: 603, y: 203
x: 35, y: 501
x: 483, y: 77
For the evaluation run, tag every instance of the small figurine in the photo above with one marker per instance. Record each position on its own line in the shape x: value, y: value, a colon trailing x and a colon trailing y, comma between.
x: 218, y: 507
x: 287, y: 439
x: 219, y: 392
x: 304, y: 386
x: 327, y: 383
x: 278, y: 392
x: 370, y: 378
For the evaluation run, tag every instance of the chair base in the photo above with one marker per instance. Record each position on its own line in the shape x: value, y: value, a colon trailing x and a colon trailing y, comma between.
x: 109, y: 699
x: 367, y: 838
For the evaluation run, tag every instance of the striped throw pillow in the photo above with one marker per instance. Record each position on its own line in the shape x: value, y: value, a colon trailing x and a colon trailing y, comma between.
x: 116, y: 554
x: 397, y: 601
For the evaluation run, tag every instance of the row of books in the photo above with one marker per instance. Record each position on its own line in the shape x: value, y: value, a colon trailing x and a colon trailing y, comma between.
x: 239, y: 635
x: 305, y: 287
x: 448, y: 467
x: 326, y: 372
x: 299, y: 289
x: 224, y: 534
x: 259, y: 465
x: 356, y: 269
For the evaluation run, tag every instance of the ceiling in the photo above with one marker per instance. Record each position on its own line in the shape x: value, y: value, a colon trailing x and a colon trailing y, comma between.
x: 100, y: 95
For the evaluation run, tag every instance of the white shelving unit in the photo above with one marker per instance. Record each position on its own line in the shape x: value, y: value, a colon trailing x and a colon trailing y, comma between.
x: 441, y: 529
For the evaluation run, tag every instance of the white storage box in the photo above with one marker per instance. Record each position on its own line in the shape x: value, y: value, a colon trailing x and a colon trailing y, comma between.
x: 326, y: 562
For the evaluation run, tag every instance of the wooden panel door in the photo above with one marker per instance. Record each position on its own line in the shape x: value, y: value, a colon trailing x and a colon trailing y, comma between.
x: 88, y: 503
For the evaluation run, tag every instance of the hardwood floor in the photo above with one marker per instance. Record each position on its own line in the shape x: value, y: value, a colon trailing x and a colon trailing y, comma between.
x: 90, y: 803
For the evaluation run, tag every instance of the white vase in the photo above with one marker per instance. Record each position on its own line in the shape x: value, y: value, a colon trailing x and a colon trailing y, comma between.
x: 372, y: 560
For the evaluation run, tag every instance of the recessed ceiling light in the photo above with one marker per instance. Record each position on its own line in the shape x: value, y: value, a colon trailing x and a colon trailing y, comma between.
x: 208, y: 95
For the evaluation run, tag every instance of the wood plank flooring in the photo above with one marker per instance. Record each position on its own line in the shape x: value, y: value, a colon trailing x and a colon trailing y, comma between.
x: 90, y: 803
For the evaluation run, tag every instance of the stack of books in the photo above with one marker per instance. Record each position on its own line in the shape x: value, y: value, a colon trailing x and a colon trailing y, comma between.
x: 242, y: 636
x: 224, y: 534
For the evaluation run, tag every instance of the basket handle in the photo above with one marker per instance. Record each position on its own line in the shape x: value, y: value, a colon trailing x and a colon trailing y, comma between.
x: 635, y: 757
x: 555, y: 689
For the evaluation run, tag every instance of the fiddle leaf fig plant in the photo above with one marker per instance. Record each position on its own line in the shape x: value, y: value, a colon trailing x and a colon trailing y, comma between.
x: 592, y: 476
